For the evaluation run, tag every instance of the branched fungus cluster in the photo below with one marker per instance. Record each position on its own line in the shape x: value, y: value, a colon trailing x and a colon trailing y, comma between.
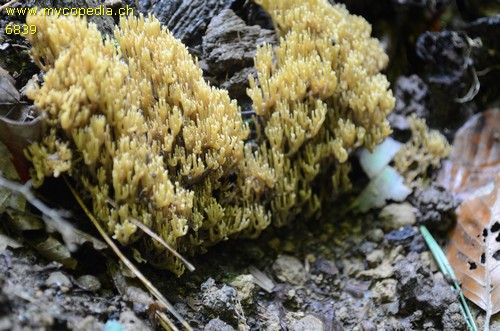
x: 148, y: 140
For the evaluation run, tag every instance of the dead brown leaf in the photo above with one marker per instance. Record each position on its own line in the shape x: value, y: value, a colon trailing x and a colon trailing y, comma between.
x: 475, y: 159
x: 20, y: 126
x: 472, y: 173
x: 474, y: 248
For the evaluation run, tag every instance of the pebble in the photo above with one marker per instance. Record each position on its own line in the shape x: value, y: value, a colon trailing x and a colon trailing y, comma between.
x: 376, y: 235
x: 398, y: 215
x: 289, y: 269
x: 391, y: 308
x: 245, y: 286
x: 60, y: 281
x: 88, y: 323
x: 131, y: 322
x: 385, y: 291
x: 368, y: 326
x: 220, y: 302
x: 327, y: 266
x: 89, y: 283
x: 308, y: 322
x: 353, y: 266
x: 375, y: 257
x: 217, y: 324
x: 428, y: 261
x: 272, y: 320
x: 383, y: 270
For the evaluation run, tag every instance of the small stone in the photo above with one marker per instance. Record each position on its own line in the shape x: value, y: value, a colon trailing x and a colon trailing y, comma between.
x: 88, y: 323
x: 385, y: 290
x: 220, y: 302
x: 5, y: 323
x: 245, y: 286
x: 454, y: 320
x: 217, y: 324
x: 60, y: 281
x: 376, y: 235
x: 50, y: 292
x: 428, y: 261
x: 398, y: 215
x: 368, y: 326
x: 391, y: 308
x: 357, y: 289
x: 113, y: 3
x: 272, y: 320
x: 89, y: 283
x: 353, y: 266
x: 343, y: 314
x: 309, y: 322
x: 375, y: 257
x: 383, y: 270
x: 140, y: 299
x: 131, y: 322
x: 289, y: 269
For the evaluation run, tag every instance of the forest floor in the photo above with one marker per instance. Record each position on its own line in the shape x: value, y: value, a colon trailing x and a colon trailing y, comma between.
x: 356, y: 272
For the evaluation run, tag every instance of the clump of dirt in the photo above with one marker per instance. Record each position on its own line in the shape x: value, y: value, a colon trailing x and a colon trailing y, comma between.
x: 423, y: 295
x: 435, y: 207
x: 39, y: 295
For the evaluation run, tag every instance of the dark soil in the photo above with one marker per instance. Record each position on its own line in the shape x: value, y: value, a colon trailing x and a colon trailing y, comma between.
x: 364, y: 272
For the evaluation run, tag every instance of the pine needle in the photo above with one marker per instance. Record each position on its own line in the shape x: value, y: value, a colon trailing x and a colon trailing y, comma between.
x: 153, y: 235
x: 8, y: 4
x: 165, y: 322
x: 152, y: 289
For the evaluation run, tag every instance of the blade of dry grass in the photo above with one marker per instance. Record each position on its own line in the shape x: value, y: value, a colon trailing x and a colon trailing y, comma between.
x: 8, y: 4
x: 153, y: 235
x: 152, y: 289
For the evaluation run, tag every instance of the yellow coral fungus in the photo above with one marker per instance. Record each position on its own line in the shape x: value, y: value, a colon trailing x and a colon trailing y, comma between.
x: 422, y: 152
x: 137, y: 125
x: 318, y: 95
x: 148, y: 140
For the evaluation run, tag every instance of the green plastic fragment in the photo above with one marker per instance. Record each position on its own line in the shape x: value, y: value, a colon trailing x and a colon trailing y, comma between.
x: 447, y: 270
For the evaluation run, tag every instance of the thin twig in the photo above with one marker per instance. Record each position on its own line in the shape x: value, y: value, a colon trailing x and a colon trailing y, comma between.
x: 152, y: 289
x: 165, y: 321
x: 153, y: 235
x: 8, y: 4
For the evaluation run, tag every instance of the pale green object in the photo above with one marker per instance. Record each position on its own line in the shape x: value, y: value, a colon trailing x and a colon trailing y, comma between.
x: 374, y: 163
x: 387, y: 185
x: 113, y: 325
